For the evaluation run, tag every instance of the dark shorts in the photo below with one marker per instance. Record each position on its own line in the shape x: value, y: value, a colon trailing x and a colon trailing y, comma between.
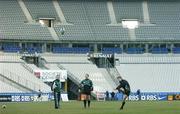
x: 86, y: 92
x: 127, y: 92
x: 39, y: 96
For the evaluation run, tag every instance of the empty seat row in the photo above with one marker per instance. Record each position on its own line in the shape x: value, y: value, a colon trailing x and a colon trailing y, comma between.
x: 70, y: 50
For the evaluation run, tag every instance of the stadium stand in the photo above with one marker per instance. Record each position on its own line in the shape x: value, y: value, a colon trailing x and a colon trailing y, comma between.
x: 89, y: 20
x: 176, y: 50
x: 22, y: 76
x: 159, y: 71
x: 148, y: 58
x: 66, y: 58
x: 13, y: 24
x: 12, y: 68
x: 164, y: 12
x: 101, y: 82
x: 8, y: 88
x: 41, y: 9
x: 112, y: 50
x: 97, y: 12
x: 78, y: 65
x: 79, y: 70
x: 86, y: 25
x: 10, y: 57
x: 75, y: 14
x: 128, y: 9
x: 89, y: 23
x: 70, y: 50
x: 11, y: 48
x: 157, y: 33
x: 135, y: 51
x: 155, y: 77
x: 164, y: 15
x: 159, y: 51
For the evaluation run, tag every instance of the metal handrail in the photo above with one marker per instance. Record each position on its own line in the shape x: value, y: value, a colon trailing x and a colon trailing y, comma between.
x: 113, y: 72
x: 27, y: 67
x: 20, y: 80
x: 74, y: 78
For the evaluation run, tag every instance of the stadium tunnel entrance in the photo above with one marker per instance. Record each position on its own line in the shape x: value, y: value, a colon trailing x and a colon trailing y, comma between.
x: 102, y: 60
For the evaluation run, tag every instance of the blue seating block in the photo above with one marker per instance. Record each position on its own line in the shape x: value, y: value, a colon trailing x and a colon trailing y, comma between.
x: 135, y: 51
x: 159, y: 51
x: 111, y: 50
x: 70, y: 50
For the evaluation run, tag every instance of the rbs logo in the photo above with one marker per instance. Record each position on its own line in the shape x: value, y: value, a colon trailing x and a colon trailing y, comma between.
x: 151, y: 97
x: 143, y: 97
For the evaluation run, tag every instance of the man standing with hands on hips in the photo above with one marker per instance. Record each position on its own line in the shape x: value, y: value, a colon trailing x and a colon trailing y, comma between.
x: 86, y: 87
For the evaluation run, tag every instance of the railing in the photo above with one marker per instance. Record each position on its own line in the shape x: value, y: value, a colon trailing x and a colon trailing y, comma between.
x: 42, y: 64
x: 27, y: 67
x: 14, y: 84
x: 71, y: 76
x: 20, y: 80
x: 113, y: 72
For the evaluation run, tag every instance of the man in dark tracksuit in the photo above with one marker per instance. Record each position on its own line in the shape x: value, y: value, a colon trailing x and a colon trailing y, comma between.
x: 123, y: 87
x: 86, y: 87
x: 56, y: 88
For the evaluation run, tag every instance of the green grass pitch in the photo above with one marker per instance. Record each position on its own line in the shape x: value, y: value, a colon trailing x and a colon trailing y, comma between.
x: 76, y: 107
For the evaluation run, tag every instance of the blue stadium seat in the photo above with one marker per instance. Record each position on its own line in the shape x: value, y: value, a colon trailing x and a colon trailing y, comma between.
x: 112, y: 50
x: 13, y: 48
x: 83, y: 50
x: 176, y: 50
x: 159, y: 51
x: 135, y: 51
